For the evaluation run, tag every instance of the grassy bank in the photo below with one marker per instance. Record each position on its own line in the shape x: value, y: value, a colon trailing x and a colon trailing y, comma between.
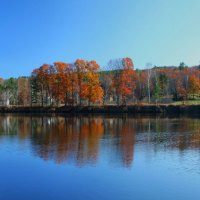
x: 189, y: 102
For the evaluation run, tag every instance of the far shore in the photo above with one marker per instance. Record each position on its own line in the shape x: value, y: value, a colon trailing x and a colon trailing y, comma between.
x: 112, y: 109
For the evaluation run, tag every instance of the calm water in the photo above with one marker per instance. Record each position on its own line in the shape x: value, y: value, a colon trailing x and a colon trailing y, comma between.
x: 95, y: 157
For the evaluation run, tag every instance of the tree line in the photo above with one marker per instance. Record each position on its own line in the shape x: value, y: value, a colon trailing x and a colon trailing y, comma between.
x: 85, y: 83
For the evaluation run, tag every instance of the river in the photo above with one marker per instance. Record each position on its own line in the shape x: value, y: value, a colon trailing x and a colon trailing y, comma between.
x: 118, y: 157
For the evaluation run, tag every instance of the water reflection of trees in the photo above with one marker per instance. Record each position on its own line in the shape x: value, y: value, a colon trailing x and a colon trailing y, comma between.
x: 79, y: 139
x: 182, y: 133
x: 84, y: 139
x: 64, y: 139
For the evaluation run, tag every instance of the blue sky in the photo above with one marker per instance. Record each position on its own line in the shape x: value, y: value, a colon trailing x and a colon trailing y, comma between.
x: 33, y: 32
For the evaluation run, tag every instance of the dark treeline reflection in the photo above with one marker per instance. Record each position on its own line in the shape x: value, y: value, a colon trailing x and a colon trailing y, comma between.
x: 84, y: 139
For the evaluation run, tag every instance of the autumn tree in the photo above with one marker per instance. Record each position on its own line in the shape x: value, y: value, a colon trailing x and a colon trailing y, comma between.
x: 177, y: 86
x: 73, y: 84
x: 59, y: 81
x: 123, y: 78
x: 194, y: 85
x: 41, y: 76
x: 94, y: 92
x: 116, y: 66
x: 181, y: 92
x: 128, y: 80
x: 80, y: 66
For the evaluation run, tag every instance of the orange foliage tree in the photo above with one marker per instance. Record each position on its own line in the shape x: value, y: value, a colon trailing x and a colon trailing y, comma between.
x: 123, y: 79
x: 41, y: 77
x: 194, y: 85
x: 128, y: 80
x: 95, y: 92
x: 60, y: 81
x: 88, y: 83
x: 80, y: 66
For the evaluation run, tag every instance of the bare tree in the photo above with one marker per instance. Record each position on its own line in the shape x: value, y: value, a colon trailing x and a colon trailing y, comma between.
x: 149, y: 68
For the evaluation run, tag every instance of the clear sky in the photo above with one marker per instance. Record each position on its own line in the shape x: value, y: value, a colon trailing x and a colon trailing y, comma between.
x: 33, y: 32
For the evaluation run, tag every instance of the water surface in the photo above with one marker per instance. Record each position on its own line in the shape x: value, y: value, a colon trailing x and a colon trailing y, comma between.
x: 99, y: 157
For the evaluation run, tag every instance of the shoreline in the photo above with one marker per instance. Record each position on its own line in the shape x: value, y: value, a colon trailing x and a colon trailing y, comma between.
x: 110, y: 109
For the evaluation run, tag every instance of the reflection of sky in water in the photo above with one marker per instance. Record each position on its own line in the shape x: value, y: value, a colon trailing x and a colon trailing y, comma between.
x: 99, y: 158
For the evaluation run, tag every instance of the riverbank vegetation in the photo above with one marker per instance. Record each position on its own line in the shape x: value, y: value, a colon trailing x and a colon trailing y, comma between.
x: 85, y: 83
